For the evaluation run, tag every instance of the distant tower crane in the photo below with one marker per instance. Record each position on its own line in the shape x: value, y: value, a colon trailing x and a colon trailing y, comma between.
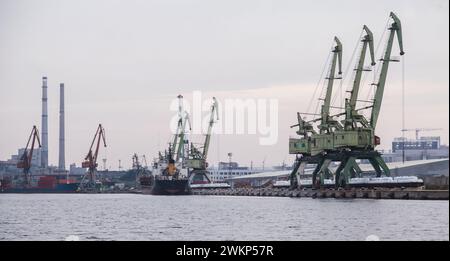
x: 420, y: 129
x: 90, y: 161
x: 25, y: 160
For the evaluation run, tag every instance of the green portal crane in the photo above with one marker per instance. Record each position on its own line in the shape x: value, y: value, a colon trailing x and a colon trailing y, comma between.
x: 179, y: 137
x: 356, y: 139
x: 359, y: 142
x: 324, y: 140
x: 311, y: 144
x: 196, y: 161
x: 304, y: 146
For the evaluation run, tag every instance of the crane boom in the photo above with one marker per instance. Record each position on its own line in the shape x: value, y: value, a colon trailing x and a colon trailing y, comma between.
x: 396, y: 27
x: 25, y: 160
x: 196, y: 160
x: 351, y: 115
x: 337, y: 58
x: 91, y: 158
x: 181, y: 134
x: 214, y: 111
x: 367, y: 42
x: 90, y: 161
x: 178, y: 139
x: 179, y: 123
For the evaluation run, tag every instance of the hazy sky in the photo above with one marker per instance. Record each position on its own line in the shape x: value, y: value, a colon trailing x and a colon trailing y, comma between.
x: 123, y: 61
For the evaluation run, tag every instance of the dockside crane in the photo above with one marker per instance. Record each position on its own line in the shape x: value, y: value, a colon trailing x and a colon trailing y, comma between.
x: 90, y: 161
x: 136, y: 164
x: 360, y: 142
x: 179, y: 137
x: 25, y: 160
x: 197, y: 158
x: 139, y: 170
x: 357, y: 139
x: 313, y: 144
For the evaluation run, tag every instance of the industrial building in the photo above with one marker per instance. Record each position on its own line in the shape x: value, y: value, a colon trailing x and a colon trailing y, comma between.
x: 421, y: 148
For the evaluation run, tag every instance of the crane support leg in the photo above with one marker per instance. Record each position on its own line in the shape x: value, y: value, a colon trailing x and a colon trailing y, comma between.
x: 316, y: 181
x: 323, y: 170
x: 379, y: 165
x: 297, y: 172
x: 347, y: 169
x: 294, y: 175
x: 339, y: 172
x: 301, y: 172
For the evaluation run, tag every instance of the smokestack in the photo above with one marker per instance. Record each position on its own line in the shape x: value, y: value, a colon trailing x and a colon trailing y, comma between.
x: 62, y: 154
x: 44, y: 127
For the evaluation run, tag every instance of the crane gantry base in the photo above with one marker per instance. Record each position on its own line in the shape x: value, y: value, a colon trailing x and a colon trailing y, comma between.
x: 347, y: 168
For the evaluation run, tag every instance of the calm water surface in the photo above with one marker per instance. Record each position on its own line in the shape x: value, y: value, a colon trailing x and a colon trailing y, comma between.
x: 145, y: 217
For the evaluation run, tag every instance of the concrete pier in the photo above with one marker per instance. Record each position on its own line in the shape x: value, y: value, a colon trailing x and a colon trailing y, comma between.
x: 377, y: 193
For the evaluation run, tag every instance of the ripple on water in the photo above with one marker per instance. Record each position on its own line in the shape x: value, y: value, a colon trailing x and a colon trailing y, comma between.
x: 145, y: 217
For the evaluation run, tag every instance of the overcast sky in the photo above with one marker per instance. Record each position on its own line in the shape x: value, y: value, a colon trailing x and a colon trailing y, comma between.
x: 123, y: 61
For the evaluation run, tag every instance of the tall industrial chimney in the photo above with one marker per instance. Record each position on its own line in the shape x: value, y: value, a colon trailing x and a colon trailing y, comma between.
x: 62, y: 154
x: 44, y: 127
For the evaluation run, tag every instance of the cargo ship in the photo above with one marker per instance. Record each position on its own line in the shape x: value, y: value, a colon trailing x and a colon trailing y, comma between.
x: 167, y: 178
x: 45, y: 184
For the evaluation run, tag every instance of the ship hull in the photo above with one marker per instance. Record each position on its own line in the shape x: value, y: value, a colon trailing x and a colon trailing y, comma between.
x: 168, y: 187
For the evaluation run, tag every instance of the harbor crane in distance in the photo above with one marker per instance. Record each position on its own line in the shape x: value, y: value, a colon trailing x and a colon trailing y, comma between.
x: 136, y: 164
x: 139, y: 169
x: 179, y: 141
x: 90, y: 161
x: 196, y: 161
x: 25, y: 160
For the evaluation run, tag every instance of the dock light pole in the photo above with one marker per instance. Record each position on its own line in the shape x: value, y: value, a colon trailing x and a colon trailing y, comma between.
x: 229, y: 163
